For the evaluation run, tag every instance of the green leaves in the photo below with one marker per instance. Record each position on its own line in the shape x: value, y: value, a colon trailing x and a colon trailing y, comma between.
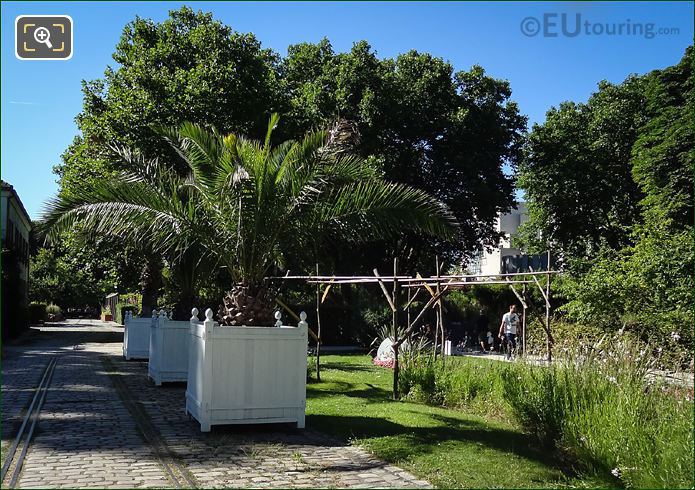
x: 610, y: 184
x: 245, y: 204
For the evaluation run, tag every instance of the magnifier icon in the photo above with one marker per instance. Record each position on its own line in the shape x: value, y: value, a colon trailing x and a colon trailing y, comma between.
x: 43, y: 36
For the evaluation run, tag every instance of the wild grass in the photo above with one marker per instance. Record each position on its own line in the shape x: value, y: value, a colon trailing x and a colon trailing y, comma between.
x: 597, y: 410
x: 449, y: 448
x: 602, y: 412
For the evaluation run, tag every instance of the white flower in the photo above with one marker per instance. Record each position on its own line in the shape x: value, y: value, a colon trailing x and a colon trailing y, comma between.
x: 612, y: 379
x: 616, y: 472
x: 675, y: 336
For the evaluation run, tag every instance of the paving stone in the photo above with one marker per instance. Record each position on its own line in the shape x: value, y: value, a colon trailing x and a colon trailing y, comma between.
x: 87, y: 438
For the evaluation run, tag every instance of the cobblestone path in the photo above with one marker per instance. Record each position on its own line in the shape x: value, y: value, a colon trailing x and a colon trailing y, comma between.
x: 105, y: 425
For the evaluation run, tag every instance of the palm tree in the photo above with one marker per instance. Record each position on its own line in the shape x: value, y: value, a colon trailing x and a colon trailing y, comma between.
x: 249, y: 206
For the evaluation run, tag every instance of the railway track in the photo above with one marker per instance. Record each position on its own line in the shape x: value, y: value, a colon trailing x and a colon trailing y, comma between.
x: 14, y: 459
x: 175, y: 469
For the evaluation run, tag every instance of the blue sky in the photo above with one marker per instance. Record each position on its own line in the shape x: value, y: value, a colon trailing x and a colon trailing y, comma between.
x: 40, y: 99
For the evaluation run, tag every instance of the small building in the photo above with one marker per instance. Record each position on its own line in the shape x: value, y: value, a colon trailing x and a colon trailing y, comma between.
x: 15, y: 226
x: 492, y: 262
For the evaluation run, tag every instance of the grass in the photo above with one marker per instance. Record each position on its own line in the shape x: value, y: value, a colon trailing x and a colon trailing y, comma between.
x: 448, y: 448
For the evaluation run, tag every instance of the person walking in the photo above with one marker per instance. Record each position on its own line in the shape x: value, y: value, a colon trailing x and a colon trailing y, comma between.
x: 508, y: 327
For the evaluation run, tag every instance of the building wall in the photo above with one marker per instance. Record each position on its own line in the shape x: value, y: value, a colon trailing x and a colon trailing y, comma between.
x: 491, y: 262
x: 15, y: 229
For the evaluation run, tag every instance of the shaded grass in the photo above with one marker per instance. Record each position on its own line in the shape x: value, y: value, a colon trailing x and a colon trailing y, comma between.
x: 449, y: 448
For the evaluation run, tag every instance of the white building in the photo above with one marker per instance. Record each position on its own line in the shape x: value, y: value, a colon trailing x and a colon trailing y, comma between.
x: 485, y: 262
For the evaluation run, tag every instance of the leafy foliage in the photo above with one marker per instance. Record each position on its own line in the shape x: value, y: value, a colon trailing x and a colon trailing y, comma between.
x: 78, y: 271
x: 419, y: 121
x: 622, y: 219
x: 576, y: 174
x: 425, y: 125
x: 248, y: 206
x: 643, y: 440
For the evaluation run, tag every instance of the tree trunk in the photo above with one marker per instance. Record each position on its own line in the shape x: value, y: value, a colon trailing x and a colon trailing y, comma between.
x: 245, y: 305
x: 185, y: 272
x: 150, y: 284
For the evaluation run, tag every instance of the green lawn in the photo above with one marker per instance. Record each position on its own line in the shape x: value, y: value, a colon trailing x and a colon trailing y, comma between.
x: 449, y: 448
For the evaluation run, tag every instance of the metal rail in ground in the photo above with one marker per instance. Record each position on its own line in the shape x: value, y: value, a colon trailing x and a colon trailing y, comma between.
x: 175, y: 469
x: 31, y: 418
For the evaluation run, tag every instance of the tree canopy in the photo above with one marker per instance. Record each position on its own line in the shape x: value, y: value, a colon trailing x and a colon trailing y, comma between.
x: 247, y: 206
x: 610, y: 186
x: 419, y: 121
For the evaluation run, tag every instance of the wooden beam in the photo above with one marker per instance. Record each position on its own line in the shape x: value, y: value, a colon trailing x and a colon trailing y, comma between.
x: 287, y: 309
x: 518, y: 296
x: 384, y: 290
x: 422, y: 312
x: 296, y: 317
x: 330, y: 278
x: 396, y: 340
x: 452, y: 282
x: 325, y: 292
x: 545, y: 297
x: 412, y: 298
x: 427, y: 286
x: 547, y: 311
x: 318, y: 324
x: 539, y: 273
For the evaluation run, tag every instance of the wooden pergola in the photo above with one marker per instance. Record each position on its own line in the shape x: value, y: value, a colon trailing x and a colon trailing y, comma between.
x: 434, y: 288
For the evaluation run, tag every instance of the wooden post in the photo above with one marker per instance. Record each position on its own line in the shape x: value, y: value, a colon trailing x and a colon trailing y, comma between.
x: 407, y: 310
x: 547, y: 313
x: 440, y: 312
x: 436, y: 335
x: 396, y: 342
x: 318, y: 327
x: 523, y: 321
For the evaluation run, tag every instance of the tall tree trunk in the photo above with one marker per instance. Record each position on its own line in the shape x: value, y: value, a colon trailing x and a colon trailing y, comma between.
x: 150, y: 283
x: 184, y: 272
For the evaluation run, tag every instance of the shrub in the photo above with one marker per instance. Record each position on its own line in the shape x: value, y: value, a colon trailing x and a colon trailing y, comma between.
x: 37, y: 313
x: 460, y: 383
x: 121, y: 310
x: 417, y: 381
x: 599, y: 407
x: 602, y: 413
x: 54, y: 313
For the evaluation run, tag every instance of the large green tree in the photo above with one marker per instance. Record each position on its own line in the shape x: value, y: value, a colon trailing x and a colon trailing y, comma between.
x: 444, y: 131
x: 610, y: 185
x: 577, y: 173
x: 249, y: 206
x: 415, y: 119
x: 187, y: 68
x: 79, y: 271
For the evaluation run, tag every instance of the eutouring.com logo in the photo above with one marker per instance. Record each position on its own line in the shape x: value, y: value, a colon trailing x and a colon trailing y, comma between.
x: 553, y: 24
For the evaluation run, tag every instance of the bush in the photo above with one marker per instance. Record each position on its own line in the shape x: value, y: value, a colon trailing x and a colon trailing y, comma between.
x: 54, y: 313
x: 599, y: 410
x: 37, y: 313
x: 121, y: 310
x: 598, y: 407
x: 460, y: 383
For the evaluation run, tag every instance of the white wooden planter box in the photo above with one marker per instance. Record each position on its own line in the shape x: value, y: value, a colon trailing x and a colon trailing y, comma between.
x: 136, y: 337
x: 168, y: 349
x: 246, y: 375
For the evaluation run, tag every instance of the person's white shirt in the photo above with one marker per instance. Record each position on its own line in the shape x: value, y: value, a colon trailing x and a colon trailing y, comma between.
x: 511, y: 320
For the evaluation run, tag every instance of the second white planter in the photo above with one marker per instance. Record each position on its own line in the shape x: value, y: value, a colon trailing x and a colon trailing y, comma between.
x: 246, y: 375
x: 169, y: 341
